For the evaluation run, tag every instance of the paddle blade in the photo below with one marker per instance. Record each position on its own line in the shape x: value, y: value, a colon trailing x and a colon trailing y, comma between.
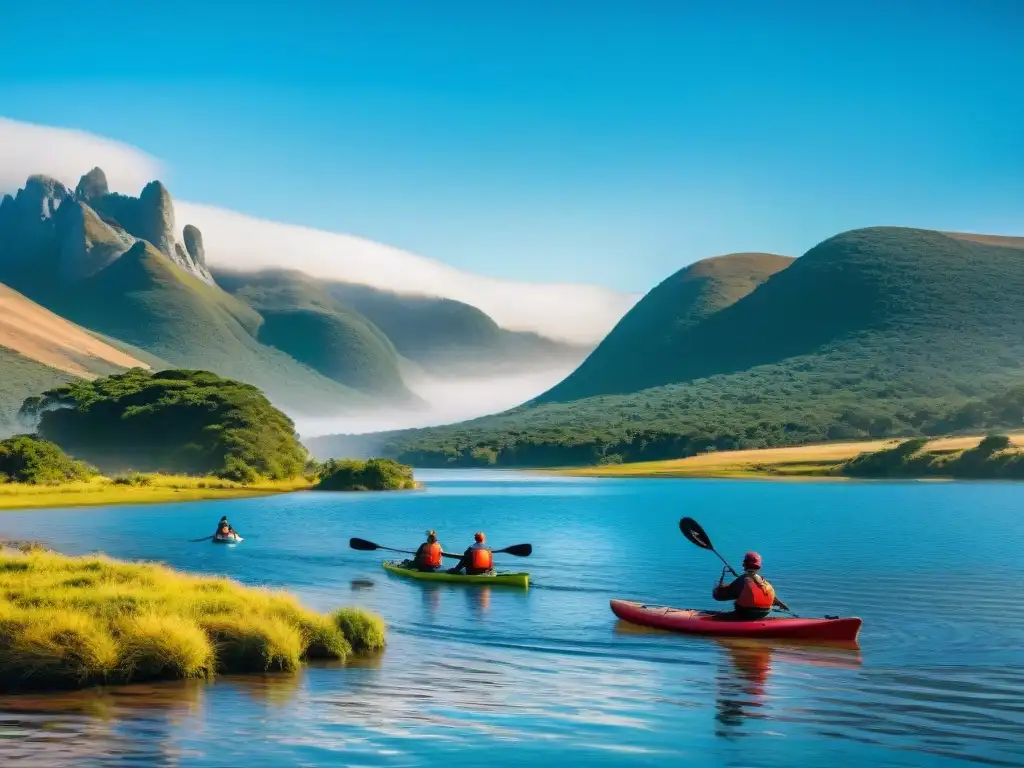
x: 519, y: 550
x: 362, y: 545
x: 691, y: 530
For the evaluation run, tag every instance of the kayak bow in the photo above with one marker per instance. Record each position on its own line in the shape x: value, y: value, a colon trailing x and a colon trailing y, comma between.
x: 232, y: 538
x: 502, y: 579
x: 692, y: 622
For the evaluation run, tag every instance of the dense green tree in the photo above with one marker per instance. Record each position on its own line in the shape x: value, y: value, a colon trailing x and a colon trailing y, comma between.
x: 178, y: 421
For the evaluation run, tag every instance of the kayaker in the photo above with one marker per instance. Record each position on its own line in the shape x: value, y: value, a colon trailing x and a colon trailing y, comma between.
x: 428, y: 556
x: 753, y: 597
x: 224, y: 527
x: 477, y: 559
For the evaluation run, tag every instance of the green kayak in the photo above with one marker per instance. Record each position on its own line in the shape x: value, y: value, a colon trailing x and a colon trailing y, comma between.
x: 504, y: 579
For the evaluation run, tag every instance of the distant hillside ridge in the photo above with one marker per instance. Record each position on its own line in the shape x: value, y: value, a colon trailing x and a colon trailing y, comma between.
x: 444, y: 336
x: 642, y: 350
x: 875, y: 332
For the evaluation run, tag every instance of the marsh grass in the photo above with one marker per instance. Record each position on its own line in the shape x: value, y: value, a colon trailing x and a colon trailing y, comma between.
x: 139, y: 489
x: 80, y: 621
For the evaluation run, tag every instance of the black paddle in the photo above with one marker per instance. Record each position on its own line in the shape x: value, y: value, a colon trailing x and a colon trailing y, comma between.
x: 205, y: 538
x: 691, y: 530
x: 519, y: 550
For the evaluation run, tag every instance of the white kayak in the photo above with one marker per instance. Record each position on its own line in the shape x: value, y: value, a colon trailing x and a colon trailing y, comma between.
x: 232, y: 538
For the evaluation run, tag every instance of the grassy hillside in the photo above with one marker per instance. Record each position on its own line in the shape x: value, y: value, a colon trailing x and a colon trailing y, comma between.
x: 40, y: 350
x: 146, y: 301
x: 642, y: 350
x: 874, y: 332
x: 449, y: 337
x: 302, y: 319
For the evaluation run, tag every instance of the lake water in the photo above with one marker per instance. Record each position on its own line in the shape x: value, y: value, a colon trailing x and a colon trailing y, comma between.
x: 548, y: 676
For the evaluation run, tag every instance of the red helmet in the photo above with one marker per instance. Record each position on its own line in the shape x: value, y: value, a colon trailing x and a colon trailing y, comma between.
x: 752, y: 560
x: 479, y: 537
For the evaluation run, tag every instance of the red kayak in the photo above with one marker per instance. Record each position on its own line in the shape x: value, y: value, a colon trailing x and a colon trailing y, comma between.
x: 691, y: 622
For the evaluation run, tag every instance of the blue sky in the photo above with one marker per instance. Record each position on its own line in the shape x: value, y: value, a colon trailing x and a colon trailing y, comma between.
x: 596, y: 142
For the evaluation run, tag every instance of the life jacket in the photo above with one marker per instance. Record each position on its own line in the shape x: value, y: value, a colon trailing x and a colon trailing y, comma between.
x: 480, y: 559
x: 225, y: 530
x: 432, y: 555
x: 757, y: 593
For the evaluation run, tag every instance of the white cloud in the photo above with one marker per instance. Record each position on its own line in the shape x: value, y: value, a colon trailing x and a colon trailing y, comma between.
x: 66, y: 154
x: 582, y: 313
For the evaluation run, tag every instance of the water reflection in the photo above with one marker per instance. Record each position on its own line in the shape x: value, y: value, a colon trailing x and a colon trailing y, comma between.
x: 741, y: 682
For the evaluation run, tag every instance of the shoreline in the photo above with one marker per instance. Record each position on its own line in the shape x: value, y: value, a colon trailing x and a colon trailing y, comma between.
x: 819, y: 462
x: 158, y: 490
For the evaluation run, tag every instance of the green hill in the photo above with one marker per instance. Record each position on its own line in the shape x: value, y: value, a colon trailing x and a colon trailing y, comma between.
x: 642, y: 350
x: 145, y: 300
x: 874, y: 332
x: 302, y: 319
x: 449, y: 337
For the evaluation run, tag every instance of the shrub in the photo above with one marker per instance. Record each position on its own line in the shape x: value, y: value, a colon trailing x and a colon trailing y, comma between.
x: 27, y: 459
x: 371, y: 475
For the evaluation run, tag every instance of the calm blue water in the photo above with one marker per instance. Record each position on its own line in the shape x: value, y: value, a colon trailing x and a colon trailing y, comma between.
x: 506, y: 678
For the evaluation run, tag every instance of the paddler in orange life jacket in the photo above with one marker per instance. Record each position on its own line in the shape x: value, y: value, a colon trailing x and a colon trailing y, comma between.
x: 753, y: 597
x: 476, y: 559
x: 428, y: 556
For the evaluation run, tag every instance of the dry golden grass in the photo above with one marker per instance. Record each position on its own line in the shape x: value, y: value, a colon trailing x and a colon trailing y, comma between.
x: 78, y: 621
x: 153, y: 489
x: 805, y: 461
x: 40, y: 335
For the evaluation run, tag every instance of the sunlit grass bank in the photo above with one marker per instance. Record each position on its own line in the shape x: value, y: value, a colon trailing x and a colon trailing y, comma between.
x: 81, y: 621
x: 139, y: 489
x: 823, y: 461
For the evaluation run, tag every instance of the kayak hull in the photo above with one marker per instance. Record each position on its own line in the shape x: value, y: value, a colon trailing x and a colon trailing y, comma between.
x: 691, y: 622
x: 227, y: 539
x: 521, y: 580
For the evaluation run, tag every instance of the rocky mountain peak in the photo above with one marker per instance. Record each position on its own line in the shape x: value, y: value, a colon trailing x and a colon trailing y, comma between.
x: 194, y: 245
x: 92, y: 185
x: 156, y: 217
x: 41, y: 197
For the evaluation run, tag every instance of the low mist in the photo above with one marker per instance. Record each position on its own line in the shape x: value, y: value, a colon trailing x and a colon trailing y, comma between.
x: 450, y: 400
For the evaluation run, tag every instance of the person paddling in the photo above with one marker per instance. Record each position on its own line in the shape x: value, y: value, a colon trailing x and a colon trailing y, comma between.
x: 753, y: 597
x: 477, y: 559
x: 428, y: 556
x: 224, y: 528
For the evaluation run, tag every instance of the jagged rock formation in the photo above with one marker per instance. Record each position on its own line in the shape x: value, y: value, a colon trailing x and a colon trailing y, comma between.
x: 194, y: 245
x: 47, y: 230
x: 92, y: 186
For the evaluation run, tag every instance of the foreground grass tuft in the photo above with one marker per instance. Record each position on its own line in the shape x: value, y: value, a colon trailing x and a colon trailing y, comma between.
x: 363, y: 629
x: 79, y: 621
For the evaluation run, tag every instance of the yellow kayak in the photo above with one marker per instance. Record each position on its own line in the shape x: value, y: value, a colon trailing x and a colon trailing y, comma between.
x: 504, y: 579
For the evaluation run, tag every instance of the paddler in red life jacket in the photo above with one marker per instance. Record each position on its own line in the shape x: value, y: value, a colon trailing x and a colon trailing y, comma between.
x: 477, y: 559
x: 753, y: 597
x: 428, y: 556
